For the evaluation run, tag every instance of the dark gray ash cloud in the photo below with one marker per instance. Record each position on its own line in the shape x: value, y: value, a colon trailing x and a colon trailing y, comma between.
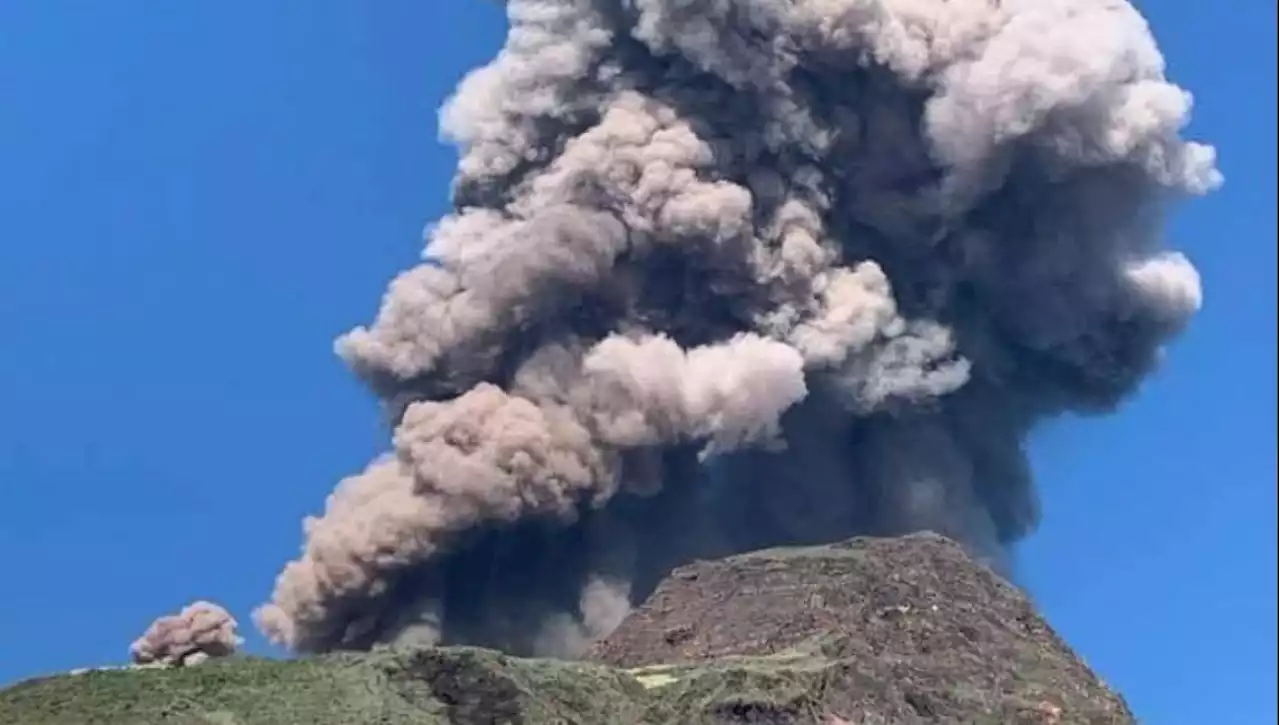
x: 724, y: 274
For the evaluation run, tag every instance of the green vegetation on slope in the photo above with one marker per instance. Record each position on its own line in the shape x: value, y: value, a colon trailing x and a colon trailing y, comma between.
x: 463, y: 686
x: 423, y: 687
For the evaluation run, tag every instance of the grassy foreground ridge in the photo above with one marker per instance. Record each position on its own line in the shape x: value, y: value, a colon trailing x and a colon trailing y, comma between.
x: 866, y: 632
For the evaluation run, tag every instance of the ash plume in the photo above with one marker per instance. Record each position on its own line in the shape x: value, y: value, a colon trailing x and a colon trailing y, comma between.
x: 726, y: 274
x: 200, y: 631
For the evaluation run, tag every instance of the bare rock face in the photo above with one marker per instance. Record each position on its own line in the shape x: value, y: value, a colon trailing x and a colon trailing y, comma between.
x: 907, y: 630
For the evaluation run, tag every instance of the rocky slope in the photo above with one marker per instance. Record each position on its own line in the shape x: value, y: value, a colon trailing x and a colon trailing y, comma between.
x: 865, y: 632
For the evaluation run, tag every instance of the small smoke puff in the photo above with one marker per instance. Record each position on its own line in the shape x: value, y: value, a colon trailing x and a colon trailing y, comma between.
x: 857, y: 306
x: 1169, y: 283
x: 200, y: 631
x: 650, y: 391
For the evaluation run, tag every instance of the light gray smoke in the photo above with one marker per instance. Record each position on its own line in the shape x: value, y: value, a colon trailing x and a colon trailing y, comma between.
x: 724, y: 274
x: 200, y: 631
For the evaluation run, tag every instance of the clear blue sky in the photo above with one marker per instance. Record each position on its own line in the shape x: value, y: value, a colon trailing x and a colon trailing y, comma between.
x: 195, y: 198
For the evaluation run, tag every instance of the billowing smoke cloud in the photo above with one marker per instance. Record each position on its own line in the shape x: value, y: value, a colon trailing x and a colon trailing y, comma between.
x: 200, y: 631
x: 724, y: 274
